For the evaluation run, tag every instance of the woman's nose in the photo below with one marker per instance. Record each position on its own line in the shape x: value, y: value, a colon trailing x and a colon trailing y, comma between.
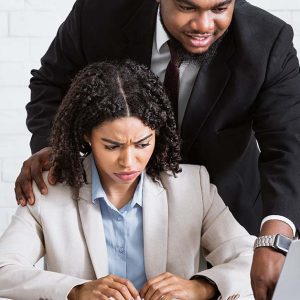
x: 126, y: 158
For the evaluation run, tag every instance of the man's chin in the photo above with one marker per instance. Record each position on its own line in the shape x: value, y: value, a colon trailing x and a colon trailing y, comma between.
x: 195, y: 50
x: 197, y: 55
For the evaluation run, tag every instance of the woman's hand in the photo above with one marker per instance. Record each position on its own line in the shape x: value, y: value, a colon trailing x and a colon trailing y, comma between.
x: 109, y: 286
x: 167, y: 286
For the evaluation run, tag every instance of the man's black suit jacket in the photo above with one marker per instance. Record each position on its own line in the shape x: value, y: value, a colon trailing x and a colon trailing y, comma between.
x: 251, y: 90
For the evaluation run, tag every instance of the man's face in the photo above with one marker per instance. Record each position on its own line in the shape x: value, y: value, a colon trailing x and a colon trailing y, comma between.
x: 196, y: 24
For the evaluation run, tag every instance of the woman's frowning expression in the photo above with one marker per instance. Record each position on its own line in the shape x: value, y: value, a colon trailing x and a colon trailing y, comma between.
x: 121, y: 149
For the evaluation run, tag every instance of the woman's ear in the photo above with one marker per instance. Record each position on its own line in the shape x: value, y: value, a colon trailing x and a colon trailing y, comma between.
x: 86, y: 138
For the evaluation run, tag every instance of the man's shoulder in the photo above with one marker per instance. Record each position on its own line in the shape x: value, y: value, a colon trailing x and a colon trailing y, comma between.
x: 255, y: 17
x: 255, y: 31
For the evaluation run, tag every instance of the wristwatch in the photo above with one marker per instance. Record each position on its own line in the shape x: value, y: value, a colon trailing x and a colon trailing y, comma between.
x: 278, y: 242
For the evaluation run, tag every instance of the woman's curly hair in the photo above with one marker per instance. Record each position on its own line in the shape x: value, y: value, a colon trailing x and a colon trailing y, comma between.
x: 106, y: 91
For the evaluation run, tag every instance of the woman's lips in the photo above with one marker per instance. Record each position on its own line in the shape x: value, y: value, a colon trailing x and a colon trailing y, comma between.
x: 126, y: 176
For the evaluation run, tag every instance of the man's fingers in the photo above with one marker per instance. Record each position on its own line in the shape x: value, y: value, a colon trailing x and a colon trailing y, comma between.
x: 21, y: 184
x: 20, y: 197
x: 32, y: 170
x: 37, y: 176
x: 51, y: 178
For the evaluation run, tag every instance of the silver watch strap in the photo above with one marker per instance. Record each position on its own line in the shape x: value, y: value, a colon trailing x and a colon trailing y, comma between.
x: 265, y: 241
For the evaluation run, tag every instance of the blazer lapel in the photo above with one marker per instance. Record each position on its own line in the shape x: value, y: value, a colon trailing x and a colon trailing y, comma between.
x: 139, y: 32
x: 92, y: 225
x: 209, y: 85
x: 155, y: 222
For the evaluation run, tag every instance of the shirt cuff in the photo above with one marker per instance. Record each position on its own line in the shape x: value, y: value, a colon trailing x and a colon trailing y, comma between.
x: 280, y: 218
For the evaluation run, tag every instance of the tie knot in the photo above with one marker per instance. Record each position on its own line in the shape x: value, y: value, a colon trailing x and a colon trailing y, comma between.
x: 175, y: 58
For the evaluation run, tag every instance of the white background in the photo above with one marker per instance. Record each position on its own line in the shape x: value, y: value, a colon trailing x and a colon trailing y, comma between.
x: 26, y: 30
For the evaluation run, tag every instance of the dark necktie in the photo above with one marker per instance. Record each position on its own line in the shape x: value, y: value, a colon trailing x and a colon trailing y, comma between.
x: 171, y: 82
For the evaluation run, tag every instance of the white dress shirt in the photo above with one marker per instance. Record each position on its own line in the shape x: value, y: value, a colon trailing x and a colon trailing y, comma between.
x: 159, y: 62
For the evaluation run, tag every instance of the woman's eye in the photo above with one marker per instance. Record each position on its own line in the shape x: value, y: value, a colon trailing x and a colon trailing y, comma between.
x: 111, y: 147
x: 141, y: 146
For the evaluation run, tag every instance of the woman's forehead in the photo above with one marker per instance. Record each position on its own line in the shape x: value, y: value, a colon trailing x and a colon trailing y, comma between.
x: 123, y: 129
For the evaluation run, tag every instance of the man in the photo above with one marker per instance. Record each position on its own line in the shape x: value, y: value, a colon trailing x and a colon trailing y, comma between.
x: 239, y: 82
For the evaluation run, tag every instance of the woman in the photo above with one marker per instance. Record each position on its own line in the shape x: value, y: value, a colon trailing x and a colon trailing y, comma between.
x: 127, y: 222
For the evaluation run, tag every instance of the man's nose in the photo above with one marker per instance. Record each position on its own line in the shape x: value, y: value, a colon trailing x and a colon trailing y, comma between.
x: 203, y: 22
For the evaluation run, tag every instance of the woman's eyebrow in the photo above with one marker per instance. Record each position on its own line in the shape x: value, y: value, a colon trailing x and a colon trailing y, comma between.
x: 120, y: 144
x: 112, y: 142
x: 144, y: 138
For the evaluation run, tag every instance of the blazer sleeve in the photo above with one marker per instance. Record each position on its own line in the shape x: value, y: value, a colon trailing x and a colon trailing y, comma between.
x: 276, y: 124
x: 49, y: 84
x: 21, y: 246
x: 226, y: 244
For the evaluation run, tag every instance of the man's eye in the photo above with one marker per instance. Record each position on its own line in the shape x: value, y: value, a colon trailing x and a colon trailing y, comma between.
x: 142, y: 146
x: 219, y: 10
x: 186, y: 8
x: 111, y: 147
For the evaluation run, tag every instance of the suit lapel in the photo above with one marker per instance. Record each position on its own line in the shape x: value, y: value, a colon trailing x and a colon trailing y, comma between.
x: 155, y: 222
x: 139, y: 32
x: 208, y: 88
x: 155, y: 227
x: 92, y: 226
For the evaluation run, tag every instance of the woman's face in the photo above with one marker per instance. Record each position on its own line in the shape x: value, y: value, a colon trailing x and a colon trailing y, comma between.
x: 121, y: 149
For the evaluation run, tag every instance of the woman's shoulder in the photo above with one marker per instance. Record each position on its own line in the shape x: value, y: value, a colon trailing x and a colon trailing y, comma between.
x: 187, y: 171
x: 56, y: 192
x: 189, y: 175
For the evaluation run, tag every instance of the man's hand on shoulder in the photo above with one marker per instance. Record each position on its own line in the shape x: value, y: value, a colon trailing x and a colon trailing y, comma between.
x: 32, y: 170
x: 267, y: 262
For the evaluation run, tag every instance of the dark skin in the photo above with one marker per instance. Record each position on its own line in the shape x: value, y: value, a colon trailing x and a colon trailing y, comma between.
x: 267, y: 262
x: 266, y: 265
x: 186, y: 20
x: 32, y: 171
x: 103, y: 288
x: 165, y: 286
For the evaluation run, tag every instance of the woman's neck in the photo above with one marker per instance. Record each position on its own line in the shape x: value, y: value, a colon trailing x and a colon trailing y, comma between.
x: 120, y: 194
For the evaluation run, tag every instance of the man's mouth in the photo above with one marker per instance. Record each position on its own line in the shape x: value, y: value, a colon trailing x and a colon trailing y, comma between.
x: 199, y: 40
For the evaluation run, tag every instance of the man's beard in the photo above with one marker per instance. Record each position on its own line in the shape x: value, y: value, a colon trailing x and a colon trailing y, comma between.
x: 197, y: 59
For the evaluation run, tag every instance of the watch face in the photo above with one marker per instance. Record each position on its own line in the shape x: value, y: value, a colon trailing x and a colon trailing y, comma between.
x: 282, y: 243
